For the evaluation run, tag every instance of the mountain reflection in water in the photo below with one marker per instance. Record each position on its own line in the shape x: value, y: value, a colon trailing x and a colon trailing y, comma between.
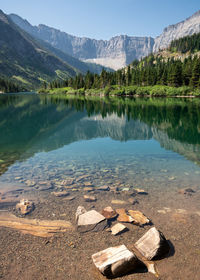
x: 30, y: 123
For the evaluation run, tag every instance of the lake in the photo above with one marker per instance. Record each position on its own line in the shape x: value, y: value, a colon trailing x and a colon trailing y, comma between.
x: 57, y: 143
x: 151, y: 143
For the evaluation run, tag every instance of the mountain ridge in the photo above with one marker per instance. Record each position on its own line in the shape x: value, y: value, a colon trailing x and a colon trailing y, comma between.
x: 23, y: 59
x: 119, y: 50
x: 115, y: 53
x: 189, y: 26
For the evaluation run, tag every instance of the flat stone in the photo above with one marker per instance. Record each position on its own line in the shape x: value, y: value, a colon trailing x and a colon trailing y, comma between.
x: 88, y: 184
x: 69, y: 198
x: 115, y: 261
x: 103, y: 188
x: 60, y: 194
x: 153, y: 244
x: 91, y: 221
x: 141, y: 191
x: 109, y: 213
x: 138, y: 218
x: 118, y: 229
x: 80, y: 210
x: 119, y: 202
x: 25, y: 206
x: 89, y: 198
x: 123, y: 217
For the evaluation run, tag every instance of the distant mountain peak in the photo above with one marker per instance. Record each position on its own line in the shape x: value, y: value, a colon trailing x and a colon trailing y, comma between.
x: 189, y: 26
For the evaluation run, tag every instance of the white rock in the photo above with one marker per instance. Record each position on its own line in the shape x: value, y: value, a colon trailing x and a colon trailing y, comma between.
x: 91, y: 221
x: 118, y: 228
x: 152, y: 244
x: 115, y: 261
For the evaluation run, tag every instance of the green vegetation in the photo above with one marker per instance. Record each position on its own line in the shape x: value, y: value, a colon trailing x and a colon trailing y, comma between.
x: 126, y: 91
x: 6, y: 85
x: 185, y: 44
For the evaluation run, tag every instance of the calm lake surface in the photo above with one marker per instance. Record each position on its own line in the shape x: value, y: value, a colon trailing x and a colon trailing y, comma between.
x: 143, y: 143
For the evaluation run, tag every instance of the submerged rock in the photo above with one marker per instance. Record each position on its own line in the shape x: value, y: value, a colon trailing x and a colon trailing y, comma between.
x: 88, y: 189
x: 138, y: 218
x: 89, y: 198
x: 115, y: 261
x: 119, y: 202
x: 109, y: 213
x: 60, y: 194
x: 25, y: 206
x: 153, y: 244
x: 187, y: 191
x: 118, y: 229
x: 141, y: 191
x: 91, y: 221
x: 123, y: 217
x: 103, y: 188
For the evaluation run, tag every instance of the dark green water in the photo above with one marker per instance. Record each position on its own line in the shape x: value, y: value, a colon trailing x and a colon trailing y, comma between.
x: 146, y: 143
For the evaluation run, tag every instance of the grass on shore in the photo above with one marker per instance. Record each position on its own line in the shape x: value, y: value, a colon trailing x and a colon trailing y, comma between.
x: 156, y: 90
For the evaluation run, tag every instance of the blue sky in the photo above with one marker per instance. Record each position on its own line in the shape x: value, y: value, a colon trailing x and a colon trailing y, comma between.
x: 103, y: 19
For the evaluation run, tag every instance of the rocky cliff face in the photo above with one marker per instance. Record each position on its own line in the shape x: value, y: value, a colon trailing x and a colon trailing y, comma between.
x: 115, y: 53
x: 184, y: 28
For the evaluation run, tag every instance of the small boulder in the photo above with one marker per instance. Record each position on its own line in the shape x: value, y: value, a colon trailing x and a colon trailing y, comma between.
x: 115, y: 261
x: 123, y: 217
x: 118, y: 229
x: 91, y: 221
x: 138, y: 218
x: 25, y: 206
x: 153, y: 244
x: 109, y: 213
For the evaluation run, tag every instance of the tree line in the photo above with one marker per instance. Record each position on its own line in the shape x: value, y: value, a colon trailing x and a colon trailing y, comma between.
x: 150, y: 71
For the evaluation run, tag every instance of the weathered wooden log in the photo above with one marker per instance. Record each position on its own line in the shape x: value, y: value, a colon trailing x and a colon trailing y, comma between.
x: 42, y: 228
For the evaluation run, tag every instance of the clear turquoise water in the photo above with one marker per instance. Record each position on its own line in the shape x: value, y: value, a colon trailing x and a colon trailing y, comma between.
x: 141, y: 143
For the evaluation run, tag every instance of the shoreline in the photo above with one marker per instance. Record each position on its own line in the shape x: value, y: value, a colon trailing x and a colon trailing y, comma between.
x: 128, y: 91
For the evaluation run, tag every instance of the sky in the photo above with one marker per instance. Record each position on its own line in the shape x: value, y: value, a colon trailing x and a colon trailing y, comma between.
x: 103, y: 19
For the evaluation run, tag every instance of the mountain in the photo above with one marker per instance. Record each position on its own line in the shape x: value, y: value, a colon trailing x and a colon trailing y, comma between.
x: 115, y: 53
x: 184, y: 28
x: 24, y: 60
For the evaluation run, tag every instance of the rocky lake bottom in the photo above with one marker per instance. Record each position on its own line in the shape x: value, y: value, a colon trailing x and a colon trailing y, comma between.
x: 95, y: 161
